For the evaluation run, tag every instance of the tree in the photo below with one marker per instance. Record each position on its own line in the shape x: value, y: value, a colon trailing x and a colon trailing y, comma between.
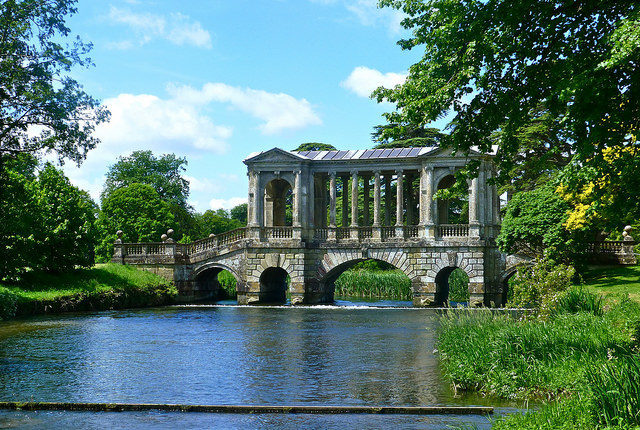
x: 41, y: 106
x: 533, y: 224
x: 239, y: 213
x: 66, y: 233
x: 138, y: 211
x: 163, y: 173
x: 396, y: 136
x: 315, y: 146
x: 216, y: 222
x: 494, y: 63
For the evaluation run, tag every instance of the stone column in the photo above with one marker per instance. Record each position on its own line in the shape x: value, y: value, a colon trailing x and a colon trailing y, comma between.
x: 354, y: 205
x: 399, y: 198
x: 426, y: 201
x: 365, y: 199
x: 387, y: 200
x: 332, y: 205
x: 409, y: 192
x: 297, y: 198
x: 345, y: 200
x: 474, y: 198
x: 376, y: 233
x: 332, y: 199
x: 254, y: 196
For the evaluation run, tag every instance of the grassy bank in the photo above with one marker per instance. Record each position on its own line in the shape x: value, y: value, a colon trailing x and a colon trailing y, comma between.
x: 105, y: 286
x: 614, y: 280
x: 584, y: 365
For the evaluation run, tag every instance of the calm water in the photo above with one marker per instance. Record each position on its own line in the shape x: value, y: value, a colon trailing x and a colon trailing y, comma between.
x: 349, y: 355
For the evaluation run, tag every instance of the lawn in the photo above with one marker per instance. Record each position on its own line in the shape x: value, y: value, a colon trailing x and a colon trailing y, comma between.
x: 614, y: 280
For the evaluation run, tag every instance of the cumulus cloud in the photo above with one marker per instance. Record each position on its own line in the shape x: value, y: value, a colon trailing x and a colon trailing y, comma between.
x: 226, y: 203
x: 177, y: 28
x: 278, y: 111
x: 363, y: 80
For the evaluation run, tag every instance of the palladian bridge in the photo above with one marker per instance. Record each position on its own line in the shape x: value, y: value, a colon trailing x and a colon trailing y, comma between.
x: 314, y: 214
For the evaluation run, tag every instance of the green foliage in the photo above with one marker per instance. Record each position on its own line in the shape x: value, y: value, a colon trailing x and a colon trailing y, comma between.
x: 373, y: 266
x: 41, y: 106
x: 577, y: 299
x: 239, y: 213
x: 536, y: 286
x: 615, y: 386
x: 46, y: 223
x: 8, y: 303
x: 315, y: 146
x: 396, y: 136
x: 216, y: 222
x: 495, y: 63
x: 227, y: 284
x: 533, y: 224
x: 163, y: 173
x: 570, y: 414
x: 67, y: 232
x: 388, y: 284
x: 138, y: 211
x: 458, y: 286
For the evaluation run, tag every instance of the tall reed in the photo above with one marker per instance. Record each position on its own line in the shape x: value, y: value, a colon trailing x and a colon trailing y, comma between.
x: 386, y: 284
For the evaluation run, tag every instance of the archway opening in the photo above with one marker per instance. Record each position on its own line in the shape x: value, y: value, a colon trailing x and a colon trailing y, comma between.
x: 278, y: 208
x: 452, y: 287
x: 507, y: 290
x: 368, y: 279
x: 274, y: 283
x: 454, y: 210
x: 228, y: 285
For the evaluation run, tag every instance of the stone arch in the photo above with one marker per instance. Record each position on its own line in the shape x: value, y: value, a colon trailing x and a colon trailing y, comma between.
x: 205, y: 280
x: 276, y: 193
x: 506, y: 275
x: 273, y: 285
x: 442, y: 268
x: 335, y: 262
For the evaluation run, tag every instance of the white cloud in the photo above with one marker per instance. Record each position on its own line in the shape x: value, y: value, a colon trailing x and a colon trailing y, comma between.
x: 177, y: 28
x: 226, y: 203
x: 279, y: 111
x: 368, y: 13
x: 202, y: 185
x: 363, y: 80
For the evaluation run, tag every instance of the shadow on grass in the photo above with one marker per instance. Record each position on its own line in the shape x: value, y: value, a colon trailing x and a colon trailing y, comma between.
x: 609, y: 277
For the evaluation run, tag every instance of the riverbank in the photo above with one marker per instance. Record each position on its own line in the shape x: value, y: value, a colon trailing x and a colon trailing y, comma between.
x: 583, y: 366
x: 105, y: 286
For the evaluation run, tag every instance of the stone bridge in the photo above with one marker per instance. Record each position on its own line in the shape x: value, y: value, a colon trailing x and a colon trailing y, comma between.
x: 387, y: 212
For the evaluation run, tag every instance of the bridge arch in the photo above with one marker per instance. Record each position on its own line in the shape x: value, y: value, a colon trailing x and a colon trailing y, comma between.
x: 274, y: 283
x: 442, y: 269
x: 205, y: 280
x: 337, y: 262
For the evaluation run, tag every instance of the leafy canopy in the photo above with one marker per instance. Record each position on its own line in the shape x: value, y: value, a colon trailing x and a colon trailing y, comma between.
x: 315, y: 146
x: 494, y: 63
x: 41, y: 106
x: 398, y: 136
x: 163, y: 173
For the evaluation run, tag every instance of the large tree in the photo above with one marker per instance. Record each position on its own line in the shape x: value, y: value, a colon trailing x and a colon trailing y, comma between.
x: 41, y: 107
x: 397, y: 136
x: 495, y: 63
x: 315, y: 146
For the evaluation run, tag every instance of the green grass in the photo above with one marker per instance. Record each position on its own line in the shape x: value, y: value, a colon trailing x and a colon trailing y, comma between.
x: 380, y: 284
x: 614, y: 280
x: 101, y: 287
x: 584, y: 365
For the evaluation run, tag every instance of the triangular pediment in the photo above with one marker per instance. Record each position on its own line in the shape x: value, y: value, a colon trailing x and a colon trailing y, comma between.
x: 274, y: 155
x: 448, y: 153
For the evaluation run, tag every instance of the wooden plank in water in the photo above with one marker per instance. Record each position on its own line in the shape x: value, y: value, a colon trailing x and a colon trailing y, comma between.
x: 248, y: 409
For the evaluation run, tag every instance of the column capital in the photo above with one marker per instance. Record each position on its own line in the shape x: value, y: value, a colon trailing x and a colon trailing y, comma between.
x: 354, y: 172
x: 377, y: 172
x: 399, y: 171
x: 428, y: 168
x: 297, y: 171
x: 277, y: 173
x: 332, y: 174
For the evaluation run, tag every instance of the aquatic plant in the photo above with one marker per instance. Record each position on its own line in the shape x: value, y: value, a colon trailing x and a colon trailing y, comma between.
x: 384, y: 284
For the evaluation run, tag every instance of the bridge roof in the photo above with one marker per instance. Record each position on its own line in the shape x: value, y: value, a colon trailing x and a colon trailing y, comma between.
x: 365, y: 154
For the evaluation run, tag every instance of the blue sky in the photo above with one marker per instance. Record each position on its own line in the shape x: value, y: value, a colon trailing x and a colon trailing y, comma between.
x: 216, y: 80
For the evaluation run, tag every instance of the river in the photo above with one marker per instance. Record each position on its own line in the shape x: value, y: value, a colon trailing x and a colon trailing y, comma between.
x: 325, y: 355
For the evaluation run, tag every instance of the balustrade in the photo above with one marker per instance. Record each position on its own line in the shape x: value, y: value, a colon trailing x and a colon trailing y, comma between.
x: 343, y: 233
x: 365, y: 233
x: 410, y: 231
x: 321, y: 233
x: 277, y: 232
x: 452, y: 230
x: 387, y: 232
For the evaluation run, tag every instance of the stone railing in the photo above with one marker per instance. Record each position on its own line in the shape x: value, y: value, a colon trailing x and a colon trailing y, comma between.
x: 321, y: 234
x: 216, y: 241
x: 611, y: 252
x: 149, y: 248
x: 387, y: 233
x: 343, y: 233
x: 276, y: 232
x: 365, y: 233
x: 452, y: 230
x: 411, y: 231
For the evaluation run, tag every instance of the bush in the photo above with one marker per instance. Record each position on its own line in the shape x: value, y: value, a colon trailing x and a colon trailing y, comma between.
x: 576, y: 299
x: 534, y: 286
x: 8, y: 303
x: 616, y: 391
